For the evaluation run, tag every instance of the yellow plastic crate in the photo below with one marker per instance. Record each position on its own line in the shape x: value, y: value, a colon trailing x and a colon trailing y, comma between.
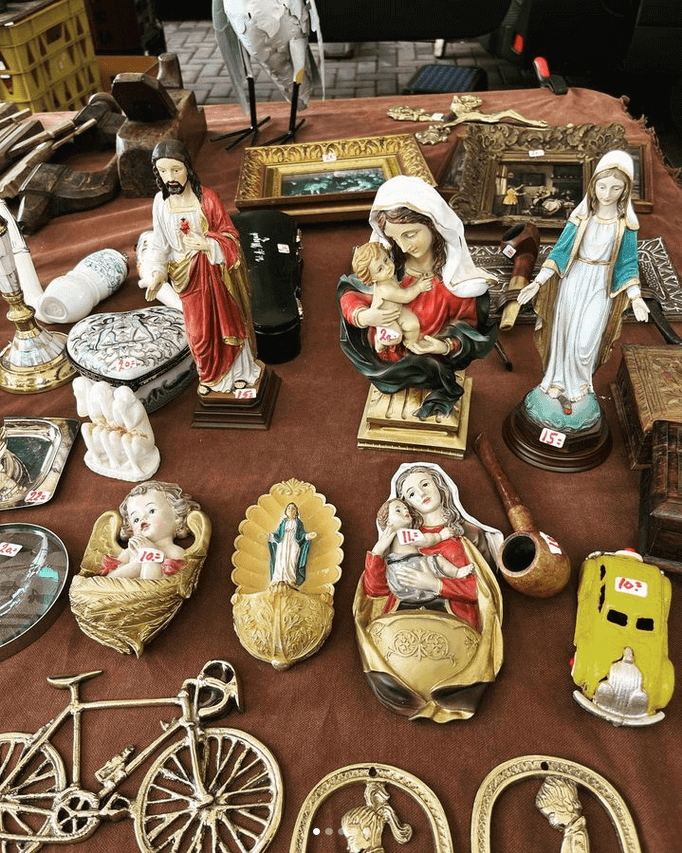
x: 47, y: 60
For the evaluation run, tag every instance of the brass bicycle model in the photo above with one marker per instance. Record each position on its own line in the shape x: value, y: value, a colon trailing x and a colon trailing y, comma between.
x: 212, y: 789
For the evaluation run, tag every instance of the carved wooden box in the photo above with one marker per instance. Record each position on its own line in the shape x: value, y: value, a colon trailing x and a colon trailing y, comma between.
x: 648, y: 388
x: 660, y: 522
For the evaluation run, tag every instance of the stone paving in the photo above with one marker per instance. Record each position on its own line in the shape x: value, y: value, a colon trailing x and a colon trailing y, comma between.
x: 372, y: 69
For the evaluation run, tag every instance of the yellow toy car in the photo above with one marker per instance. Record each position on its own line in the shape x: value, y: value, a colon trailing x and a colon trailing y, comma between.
x: 621, y: 660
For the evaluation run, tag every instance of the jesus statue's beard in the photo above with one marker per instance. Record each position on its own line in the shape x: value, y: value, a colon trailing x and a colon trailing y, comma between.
x: 175, y: 187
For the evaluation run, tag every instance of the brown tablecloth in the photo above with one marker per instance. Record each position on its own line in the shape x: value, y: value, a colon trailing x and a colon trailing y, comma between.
x: 321, y: 714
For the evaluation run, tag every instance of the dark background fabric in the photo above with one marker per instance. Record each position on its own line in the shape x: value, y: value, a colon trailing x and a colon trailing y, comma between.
x: 321, y: 715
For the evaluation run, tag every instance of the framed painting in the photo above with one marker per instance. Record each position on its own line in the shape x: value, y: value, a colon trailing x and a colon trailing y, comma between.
x: 330, y: 180
x: 507, y: 174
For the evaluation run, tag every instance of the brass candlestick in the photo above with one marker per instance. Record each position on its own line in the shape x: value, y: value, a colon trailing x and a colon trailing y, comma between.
x: 35, y: 360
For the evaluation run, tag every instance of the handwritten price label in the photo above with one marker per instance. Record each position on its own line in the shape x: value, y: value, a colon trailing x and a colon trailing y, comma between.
x: 37, y: 496
x: 552, y: 437
x: 552, y: 544
x: 632, y: 587
x: 329, y: 157
x: 386, y: 336
x: 408, y: 537
x: 283, y: 249
x: 245, y: 393
x: 150, y: 555
x: 536, y: 152
x: 125, y: 363
x: 9, y: 549
x: 509, y: 250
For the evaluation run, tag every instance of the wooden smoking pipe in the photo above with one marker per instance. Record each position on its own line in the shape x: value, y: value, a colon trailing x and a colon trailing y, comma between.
x: 530, y: 563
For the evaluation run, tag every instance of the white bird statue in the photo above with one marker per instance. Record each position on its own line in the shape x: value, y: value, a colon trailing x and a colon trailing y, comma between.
x: 273, y: 33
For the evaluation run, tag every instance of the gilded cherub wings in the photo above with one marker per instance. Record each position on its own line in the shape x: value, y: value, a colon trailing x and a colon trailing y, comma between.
x: 126, y: 613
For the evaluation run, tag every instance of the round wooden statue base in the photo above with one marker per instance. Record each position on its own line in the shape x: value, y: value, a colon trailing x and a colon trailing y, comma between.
x: 580, y: 451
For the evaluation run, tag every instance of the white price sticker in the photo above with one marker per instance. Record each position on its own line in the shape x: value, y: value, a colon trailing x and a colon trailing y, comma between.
x: 407, y: 536
x: 509, y: 250
x: 329, y: 157
x: 245, y: 393
x: 632, y: 587
x: 150, y: 555
x: 552, y: 437
x: 386, y: 336
x: 283, y: 248
x: 552, y: 544
x: 9, y: 549
x: 536, y: 152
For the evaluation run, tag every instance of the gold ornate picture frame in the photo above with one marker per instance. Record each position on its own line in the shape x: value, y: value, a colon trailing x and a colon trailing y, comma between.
x: 329, y: 180
x: 507, y: 174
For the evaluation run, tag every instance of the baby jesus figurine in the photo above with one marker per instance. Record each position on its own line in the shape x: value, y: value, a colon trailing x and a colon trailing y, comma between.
x: 153, y: 515
x: 405, y: 562
x: 373, y: 266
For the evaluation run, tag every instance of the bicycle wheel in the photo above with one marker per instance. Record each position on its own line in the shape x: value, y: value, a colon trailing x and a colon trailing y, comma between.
x: 242, y: 807
x: 27, y: 796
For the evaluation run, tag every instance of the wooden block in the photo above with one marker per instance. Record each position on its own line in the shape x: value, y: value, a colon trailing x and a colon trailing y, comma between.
x: 648, y: 388
x: 660, y: 527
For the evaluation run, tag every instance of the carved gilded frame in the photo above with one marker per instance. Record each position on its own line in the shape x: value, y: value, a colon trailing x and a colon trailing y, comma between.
x: 330, y: 180
x: 477, y: 176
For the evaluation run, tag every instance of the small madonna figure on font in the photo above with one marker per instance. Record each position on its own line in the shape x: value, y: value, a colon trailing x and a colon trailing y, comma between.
x: 428, y: 575
x: 450, y: 326
x: 289, y: 546
x: 588, y: 280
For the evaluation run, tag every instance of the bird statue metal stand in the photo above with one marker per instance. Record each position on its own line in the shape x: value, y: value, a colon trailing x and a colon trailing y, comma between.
x: 273, y: 33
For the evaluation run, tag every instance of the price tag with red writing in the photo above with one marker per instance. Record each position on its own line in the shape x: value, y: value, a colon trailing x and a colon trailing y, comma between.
x: 552, y: 437
x: 37, y: 496
x: 386, y: 336
x: 125, y: 363
x: 150, y: 555
x: 509, y: 250
x: 552, y: 544
x: 407, y: 536
x: 245, y: 393
x: 632, y: 587
x: 9, y: 549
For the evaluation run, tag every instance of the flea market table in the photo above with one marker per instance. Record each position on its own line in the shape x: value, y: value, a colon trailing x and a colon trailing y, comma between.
x: 321, y: 714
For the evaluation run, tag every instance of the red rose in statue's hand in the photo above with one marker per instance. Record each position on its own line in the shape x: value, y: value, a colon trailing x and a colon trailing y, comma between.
x: 184, y: 225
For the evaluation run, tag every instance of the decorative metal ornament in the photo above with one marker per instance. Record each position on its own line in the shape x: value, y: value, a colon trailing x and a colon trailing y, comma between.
x: 560, y: 787
x: 210, y: 789
x: 35, y: 359
x: 116, y: 599
x: 463, y: 108
x: 33, y: 452
x: 363, y: 825
x: 287, y: 559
